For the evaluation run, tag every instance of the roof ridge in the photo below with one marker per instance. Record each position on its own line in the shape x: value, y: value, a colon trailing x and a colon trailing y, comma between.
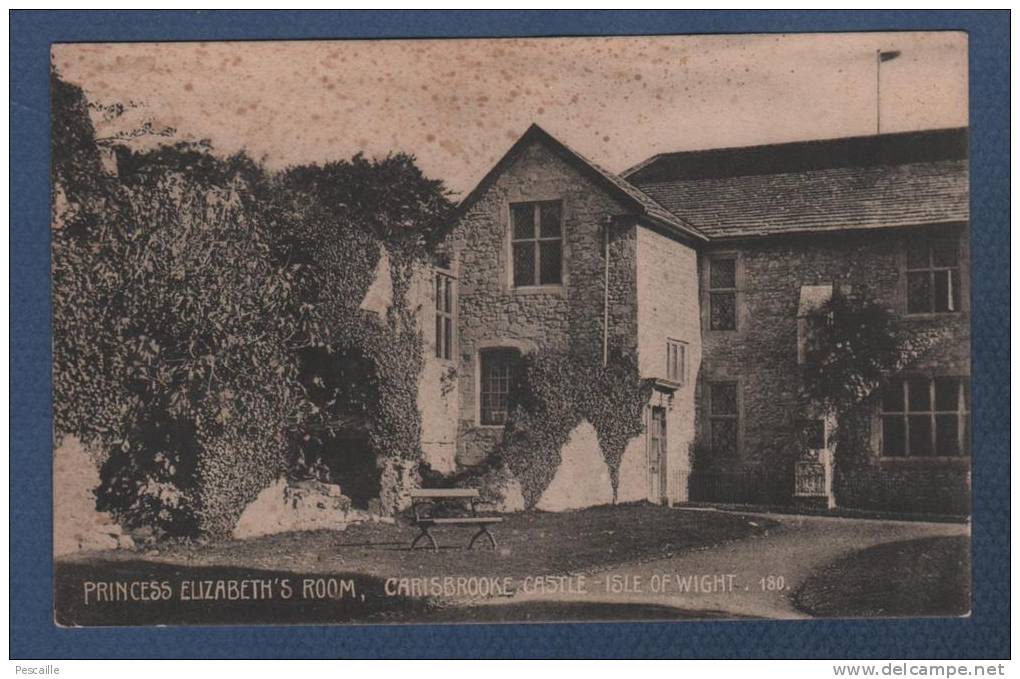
x: 793, y: 142
x: 769, y: 158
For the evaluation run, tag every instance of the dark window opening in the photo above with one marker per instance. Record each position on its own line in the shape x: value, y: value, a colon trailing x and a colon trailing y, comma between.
x: 676, y: 361
x: 924, y: 417
x: 722, y: 293
x: 723, y: 416
x: 499, y: 370
x: 444, y: 316
x: 537, y: 243
x: 933, y: 274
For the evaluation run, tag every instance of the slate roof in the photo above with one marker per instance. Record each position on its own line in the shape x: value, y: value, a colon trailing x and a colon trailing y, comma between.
x: 856, y: 183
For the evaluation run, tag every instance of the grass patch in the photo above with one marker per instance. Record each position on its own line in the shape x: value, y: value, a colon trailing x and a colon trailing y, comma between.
x: 530, y: 543
x: 925, y: 577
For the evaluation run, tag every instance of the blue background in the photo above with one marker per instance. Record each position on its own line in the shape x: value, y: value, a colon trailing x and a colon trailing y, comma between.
x: 33, y: 634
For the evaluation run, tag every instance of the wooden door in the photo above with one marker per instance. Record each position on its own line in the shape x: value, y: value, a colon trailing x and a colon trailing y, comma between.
x: 656, y: 454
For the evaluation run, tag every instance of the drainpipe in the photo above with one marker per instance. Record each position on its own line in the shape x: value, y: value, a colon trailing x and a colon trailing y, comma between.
x: 605, y: 298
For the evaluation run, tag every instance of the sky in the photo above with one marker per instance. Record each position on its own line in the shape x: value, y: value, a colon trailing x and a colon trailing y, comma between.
x: 458, y: 105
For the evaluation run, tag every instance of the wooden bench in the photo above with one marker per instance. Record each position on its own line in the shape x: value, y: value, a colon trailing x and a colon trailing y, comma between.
x: 426, y: 501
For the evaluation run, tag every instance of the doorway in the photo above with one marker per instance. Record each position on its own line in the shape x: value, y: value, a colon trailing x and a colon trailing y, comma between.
x: 657, y: 454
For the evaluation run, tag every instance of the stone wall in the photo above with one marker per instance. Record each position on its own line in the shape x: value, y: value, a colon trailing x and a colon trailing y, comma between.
x: 667, y: 298
x: 437, y: 385
x: 761, y: 356
x: 492, y: 313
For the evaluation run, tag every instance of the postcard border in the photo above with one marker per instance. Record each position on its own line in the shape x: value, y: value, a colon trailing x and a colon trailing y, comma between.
x: 985, y: 634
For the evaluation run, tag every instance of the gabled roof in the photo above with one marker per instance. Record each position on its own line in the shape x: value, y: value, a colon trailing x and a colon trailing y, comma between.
x: 624, y: 191
x: 881, y: 181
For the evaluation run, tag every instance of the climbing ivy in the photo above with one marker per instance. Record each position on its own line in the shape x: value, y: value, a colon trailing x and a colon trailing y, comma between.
x: 554, y: 393
x: 187, y: 286
x: 854, y: 345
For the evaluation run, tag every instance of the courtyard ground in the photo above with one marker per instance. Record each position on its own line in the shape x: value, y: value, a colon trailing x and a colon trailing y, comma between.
x: 627, y: 562
x: 844, y: 551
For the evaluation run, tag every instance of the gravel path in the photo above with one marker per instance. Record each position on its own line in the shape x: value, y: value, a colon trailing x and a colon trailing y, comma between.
x: 730, y: 575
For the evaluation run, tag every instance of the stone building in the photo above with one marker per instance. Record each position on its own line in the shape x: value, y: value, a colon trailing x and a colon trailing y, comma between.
x: 701, y: 264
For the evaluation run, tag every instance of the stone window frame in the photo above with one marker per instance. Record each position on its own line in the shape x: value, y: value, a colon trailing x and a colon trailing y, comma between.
x: 963, y: 413
x: 737, y: 291
x: 445, y: 314
x: 737, y: 417
x: 536, y: 203
x: 958, y: 230
x: 683, y: 355
x: 523, y: 348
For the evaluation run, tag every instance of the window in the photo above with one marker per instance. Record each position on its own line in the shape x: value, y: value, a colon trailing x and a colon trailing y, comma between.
x: 722, y: 293
x: 444, y: 316
x: 933, y: 273
x: 498, y: 371
x: 537, y: 243
x: 676, y: 361
x: 926, y: 417
x: 722, y: 418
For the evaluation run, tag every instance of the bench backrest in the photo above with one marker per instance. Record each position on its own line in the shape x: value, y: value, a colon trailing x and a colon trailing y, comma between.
x: 440, y: 493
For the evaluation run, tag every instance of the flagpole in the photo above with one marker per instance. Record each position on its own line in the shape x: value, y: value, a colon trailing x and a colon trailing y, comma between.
x: 878, y: 91
x: 881, y: 56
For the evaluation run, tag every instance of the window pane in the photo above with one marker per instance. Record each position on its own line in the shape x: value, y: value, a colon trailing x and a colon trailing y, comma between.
x: 523, y: 216
x: 724, y: 399
x: 549, y: 213
x: 947, y: 295
x: 448, y: 296
x: 552, y: 262
x: 893, y: 438
x: 439, y: 292
x: 892, y: 397
x: 947, y: 433
x: 723, y: 310
x: 919, y: 292
x: 966, y: 434
x: 439, y: 337
x: 724, y: 437
x: 675, y: 362
x: 920, y: 436
x: 918, y: 395
x: 722, y: 273
x: 945, y: 251
x: 524, y: 264
x: 947, y: 393
x: 498, y: 366
x: 448, y: 337
x: 917, y: 253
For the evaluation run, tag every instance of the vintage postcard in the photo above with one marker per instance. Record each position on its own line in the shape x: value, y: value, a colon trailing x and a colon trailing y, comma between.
x: 502, y: 330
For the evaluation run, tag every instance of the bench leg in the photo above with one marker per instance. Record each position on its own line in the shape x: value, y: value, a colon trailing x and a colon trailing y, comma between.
x: 425, y: 534
x: 484, y: 530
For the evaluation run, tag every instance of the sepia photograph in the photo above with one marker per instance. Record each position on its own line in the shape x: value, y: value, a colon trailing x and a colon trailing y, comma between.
x: 501, y: 330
